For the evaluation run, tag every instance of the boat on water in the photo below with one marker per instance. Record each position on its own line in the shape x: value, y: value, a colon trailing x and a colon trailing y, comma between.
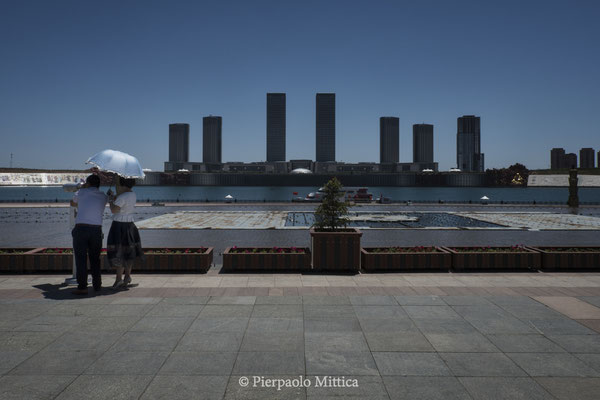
x: 355, y: 194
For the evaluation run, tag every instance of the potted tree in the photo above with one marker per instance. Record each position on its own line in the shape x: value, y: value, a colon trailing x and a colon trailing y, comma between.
x: 334, y: 246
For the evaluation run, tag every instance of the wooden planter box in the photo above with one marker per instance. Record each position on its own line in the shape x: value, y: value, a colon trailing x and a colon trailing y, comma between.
x: 414, y: 261
x: 175, y: 262
x: 523, y: 260
x: 16, y: 260
x: 283, y: 262
x: 569, y: 260
x: 336, y: 251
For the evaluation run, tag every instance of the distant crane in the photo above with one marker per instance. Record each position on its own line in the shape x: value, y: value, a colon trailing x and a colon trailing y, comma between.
x: 11, y: 160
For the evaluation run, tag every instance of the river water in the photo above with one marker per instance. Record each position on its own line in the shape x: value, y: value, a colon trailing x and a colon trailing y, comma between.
x: 286, y: 193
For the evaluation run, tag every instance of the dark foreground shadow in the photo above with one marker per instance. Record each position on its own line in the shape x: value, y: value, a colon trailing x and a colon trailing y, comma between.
x: 64, y: 292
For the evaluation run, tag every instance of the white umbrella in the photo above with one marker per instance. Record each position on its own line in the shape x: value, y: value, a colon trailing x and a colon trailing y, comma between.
x: 120, y: 163
x: 484, y: 198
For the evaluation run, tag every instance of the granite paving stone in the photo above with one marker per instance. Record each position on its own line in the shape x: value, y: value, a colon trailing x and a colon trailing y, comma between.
x: 232, y: 300
x: 203, y: 341
x: 219, y: 324
x: 331, y: 325
x: 126, y: 310
x: 465, y: 300
x: 571, y: 388
x: 591, y: 359
x: 425, y: 388
x: 186, y: 387
x: 273, y: 363
x: 50, y: 323
x: 410, y: 364
x: 162, y: 324
x: 380, y: 312
x: 461, y: 343
x: 335, y: 341
x: 436, y: 312
x: 499, y: 388
x: 388, y: 325
x: 278, y: 300
x: 229, y: 310
x: 199, y: 363
x: 199, y: 300
x: 26, y: 341
x: 96, y: 387
x: 274, y: 341
x: 577, y: 343
x: 593, y: 300
x: 373, y: 301
x: 449, y: 326
x: 175, y: 310
x: 325, y: 311
x: 128, y: 362
x: 74, y: 341
x: 420, y: 300
x: 340, y: 363
x: 559, y: 326
x: 534, y: 343
x: 278, y: 311
x: 11, y: 358
x: 57, y: 363
x: 369, y: 388
x: 481, y: 364
x: 147, y: 341
x: 17, y: 387
x: 267, y: 325
x: 326, y: 300
x: 264, y: 389
x: 107, y: 324
x: 552, y: 364
x: 398, y: 341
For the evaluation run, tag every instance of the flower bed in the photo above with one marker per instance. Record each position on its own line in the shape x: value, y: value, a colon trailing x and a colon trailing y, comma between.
x: 183, y: 259
x: 405, y: 258
x: 569, y: 258
x: 495, y: 258
x: 51, y: 259
x: 14, y: 260
x: 292, y: 259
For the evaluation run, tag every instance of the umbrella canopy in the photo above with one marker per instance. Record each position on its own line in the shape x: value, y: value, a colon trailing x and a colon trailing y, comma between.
x: 120, y: 163
x: 484, y: 198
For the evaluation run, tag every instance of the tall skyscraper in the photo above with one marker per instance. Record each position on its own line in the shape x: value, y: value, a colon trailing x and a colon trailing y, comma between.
x: 179, y: 142
x: 211, y: 139
x: 557, y: 155
x: 569, y: 161
x: 389, y: 140
x: 468, y: 144
x: 325, y: 128
x: 423, y: 143
x: 586, y: 158
x: 275, y: 126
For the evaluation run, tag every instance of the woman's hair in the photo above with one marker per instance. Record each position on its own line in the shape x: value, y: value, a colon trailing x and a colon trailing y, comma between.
x: 126, y: 182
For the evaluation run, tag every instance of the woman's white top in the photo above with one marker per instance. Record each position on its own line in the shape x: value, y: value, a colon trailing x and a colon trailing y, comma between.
x: 126, y: 201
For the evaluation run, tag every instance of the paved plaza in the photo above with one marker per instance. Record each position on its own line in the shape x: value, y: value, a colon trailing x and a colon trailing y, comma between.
x: 234, y: 336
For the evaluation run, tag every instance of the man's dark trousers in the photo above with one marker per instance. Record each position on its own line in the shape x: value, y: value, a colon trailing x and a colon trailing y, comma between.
x: 87, y: 241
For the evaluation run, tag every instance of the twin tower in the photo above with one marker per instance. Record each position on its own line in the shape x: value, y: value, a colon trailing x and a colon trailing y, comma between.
x: 276, y: 135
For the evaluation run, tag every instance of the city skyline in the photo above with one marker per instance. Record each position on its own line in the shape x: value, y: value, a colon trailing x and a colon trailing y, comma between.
x: 85, y: 77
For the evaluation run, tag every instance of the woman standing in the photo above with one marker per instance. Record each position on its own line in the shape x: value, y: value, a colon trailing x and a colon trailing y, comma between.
x: 124, y: 244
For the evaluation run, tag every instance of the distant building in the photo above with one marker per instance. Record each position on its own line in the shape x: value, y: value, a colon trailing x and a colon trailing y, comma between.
x: 422, y: 143
x: 211, y: 139
x: 586, y: 158
x: 570, y: 161
x: 389, y: 140
x: 469, y: 157
x: 179, y: 142
x: 325, y: 127
x: 557, y: 155
x: 598, y: 158
x: 275, y: 126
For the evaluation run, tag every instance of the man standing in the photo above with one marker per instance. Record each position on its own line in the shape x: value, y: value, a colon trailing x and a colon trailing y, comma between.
x: 87, y: 234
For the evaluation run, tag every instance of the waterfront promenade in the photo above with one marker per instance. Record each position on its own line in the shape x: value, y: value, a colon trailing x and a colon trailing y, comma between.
x: 391, y: 336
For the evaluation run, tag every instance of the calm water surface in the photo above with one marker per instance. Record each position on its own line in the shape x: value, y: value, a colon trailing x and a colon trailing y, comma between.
x: 286, y: 193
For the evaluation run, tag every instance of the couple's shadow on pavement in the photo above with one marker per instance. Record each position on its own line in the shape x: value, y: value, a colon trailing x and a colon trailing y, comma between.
x: 63, y: 291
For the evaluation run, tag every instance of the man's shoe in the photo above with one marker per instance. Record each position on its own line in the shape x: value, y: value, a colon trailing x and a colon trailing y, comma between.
x: 80, y: 292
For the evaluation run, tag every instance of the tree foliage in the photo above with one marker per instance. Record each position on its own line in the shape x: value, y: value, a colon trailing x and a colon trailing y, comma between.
x: 331, y: 213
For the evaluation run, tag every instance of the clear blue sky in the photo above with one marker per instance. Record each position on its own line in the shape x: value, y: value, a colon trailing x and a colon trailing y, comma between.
x: 80, y: 76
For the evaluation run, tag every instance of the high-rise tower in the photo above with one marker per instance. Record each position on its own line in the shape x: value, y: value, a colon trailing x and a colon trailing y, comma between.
x: 275, y: 126
x: 325, y: 127
x: 468, y: 144
x: 211, y: 139
x: 179, y: 142
x: 423, y: 143
x: 389, y: 140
